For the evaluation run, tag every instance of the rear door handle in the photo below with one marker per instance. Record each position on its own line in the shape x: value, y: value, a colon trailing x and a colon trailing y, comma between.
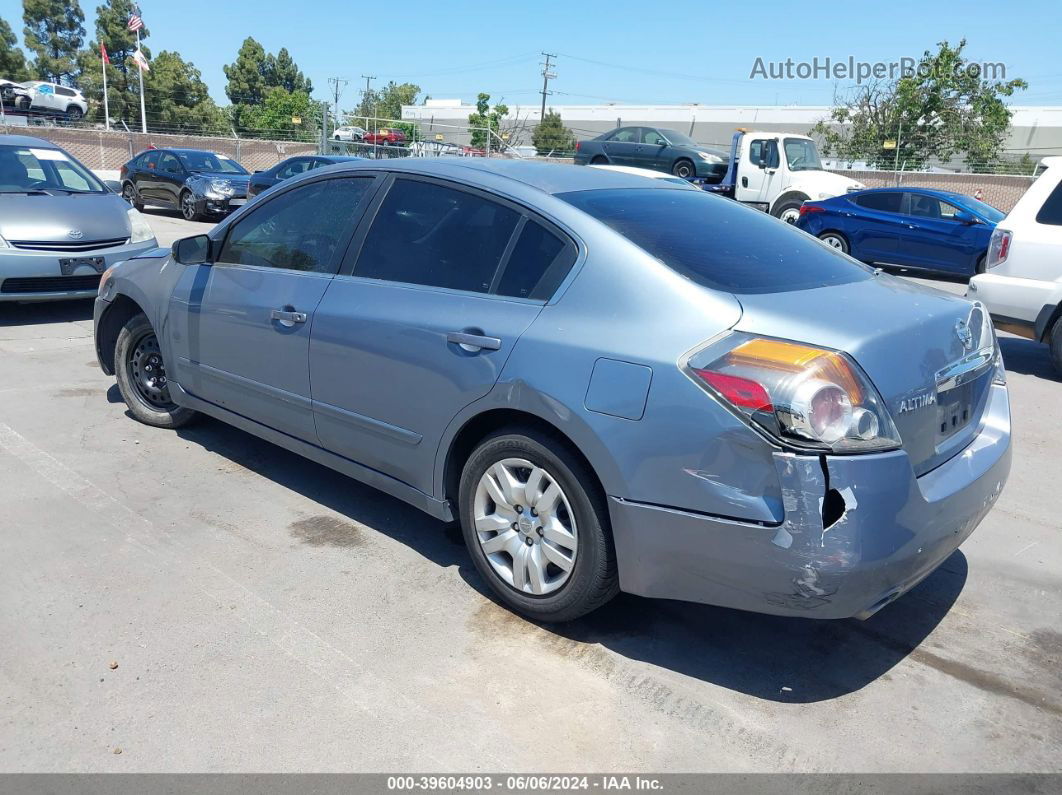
x: 473, y: 342
x: 287, y: 318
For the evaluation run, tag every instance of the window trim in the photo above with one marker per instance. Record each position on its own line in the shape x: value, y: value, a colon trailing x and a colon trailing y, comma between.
x: 342, y: 242
x: 357, y: 242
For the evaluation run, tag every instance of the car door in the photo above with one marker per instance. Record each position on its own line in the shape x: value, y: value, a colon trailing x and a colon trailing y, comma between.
x: 169, y: 178
x: 622, y: 147
x: 654, y: 151
x: 422, y: 318
x: 751, y: 177
x: 146, y: 177
x: 239, y: 327
x: 873, y: 228
x: 933, y: 238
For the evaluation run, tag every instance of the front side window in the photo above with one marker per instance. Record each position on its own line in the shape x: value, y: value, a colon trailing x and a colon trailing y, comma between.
x: 29, y: 168
x: 678, y: 139
x: 437, y: 236
x: 717, y: 242
x: 298, y: 230
x: 654, y: 138
x: 167, y: 162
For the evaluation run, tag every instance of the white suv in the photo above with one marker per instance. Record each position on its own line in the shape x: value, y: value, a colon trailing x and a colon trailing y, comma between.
x: 1022, y: 282
x: 57, y: 99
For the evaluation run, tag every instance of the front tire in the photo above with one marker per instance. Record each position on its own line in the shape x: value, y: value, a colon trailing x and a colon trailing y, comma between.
x: 190, y: 207
x: 1054, y: 342
x: 835, y: 240
x: 130, y: 195
x: 141, y: 374
x: 684, y: 169
x: 536, y: 526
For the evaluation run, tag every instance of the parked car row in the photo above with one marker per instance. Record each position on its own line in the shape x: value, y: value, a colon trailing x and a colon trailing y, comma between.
x: 800, y: 435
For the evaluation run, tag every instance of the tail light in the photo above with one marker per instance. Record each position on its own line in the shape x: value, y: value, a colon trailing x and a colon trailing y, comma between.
x: 577, y: 145
x: 998, y: 247
x: 798, y: 394
x: 811, y: 208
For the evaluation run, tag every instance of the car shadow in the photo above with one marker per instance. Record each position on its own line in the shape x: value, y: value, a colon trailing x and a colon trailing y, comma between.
x: 773, y: 658
x: 45, y: 312
x: 1027, y: 357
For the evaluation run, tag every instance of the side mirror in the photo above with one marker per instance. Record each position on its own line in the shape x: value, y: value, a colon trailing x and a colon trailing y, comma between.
x: 113, y: 185
x: 192, y: 250
x: 962, y: 216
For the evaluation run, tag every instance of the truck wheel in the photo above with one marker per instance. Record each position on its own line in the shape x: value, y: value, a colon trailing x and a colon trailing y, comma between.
x: 835, y: 240
x: 1055, y: 343
x: 536, y: 525
x: 683, y: 168
x: 788, y: 209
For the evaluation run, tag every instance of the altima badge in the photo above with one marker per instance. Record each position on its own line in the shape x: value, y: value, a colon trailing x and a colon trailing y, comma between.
x: 917, y: 402
x: 962, y: 331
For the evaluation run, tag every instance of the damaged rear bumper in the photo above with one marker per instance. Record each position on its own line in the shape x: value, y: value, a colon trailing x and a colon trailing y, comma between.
x: 884, y: 531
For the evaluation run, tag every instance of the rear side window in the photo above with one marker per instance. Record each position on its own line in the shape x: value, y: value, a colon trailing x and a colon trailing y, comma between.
x: 298, y: 230
x: 429, y: 234
x: 539, y: 262
x: 887, y: 202
x: 718, y: 242
x: 151, y: 159
x: 1051, y: 212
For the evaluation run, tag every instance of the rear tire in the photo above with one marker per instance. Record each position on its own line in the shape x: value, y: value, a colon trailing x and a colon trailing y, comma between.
x: 1054, y: 342
x: 835, y: 240
x: 684, y: 169
x: 141, y: 375
x: 599, y: 160
x: 74, y: 113
x: 563, y: 538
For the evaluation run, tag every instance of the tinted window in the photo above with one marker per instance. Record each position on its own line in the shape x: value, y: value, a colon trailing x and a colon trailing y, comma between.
x: 1051, y: 212
x: 887, y: 202
x: 756, y: 151
x: 539, y: 262
x: 63, y: 92
x: 429, y: 234
x: 151, y: 159
x: 298, y: 230
x: 718, y: 242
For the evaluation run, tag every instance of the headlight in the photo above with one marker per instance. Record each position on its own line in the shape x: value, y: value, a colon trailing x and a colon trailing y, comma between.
x: 222, y: 187
x: 709, y: 158
x: 799, y: 394
x: 139, y: 231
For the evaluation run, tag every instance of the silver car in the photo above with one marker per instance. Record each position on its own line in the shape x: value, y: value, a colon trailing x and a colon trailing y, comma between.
x: 60, y: 226
x: 611, y: 382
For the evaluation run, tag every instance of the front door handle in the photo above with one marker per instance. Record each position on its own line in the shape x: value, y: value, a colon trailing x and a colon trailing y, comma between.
x: 287, y: 318
x: 473, y: 343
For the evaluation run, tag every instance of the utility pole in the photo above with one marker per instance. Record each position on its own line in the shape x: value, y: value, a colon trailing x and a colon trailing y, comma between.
x: 547, y: 75
x: 337, y: 83
x: 364, y: 101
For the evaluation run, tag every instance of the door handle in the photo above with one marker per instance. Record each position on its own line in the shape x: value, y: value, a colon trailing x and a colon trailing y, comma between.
x: 287, y: 318
x: 473, y: 343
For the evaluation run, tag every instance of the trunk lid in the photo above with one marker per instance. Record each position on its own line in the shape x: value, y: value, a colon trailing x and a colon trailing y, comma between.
x: 918, y: 346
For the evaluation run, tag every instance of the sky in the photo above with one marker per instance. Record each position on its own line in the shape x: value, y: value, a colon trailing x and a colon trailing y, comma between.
x: 631, y: 53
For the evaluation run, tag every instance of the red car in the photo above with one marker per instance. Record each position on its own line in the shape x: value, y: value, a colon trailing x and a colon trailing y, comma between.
x: 385, y: 137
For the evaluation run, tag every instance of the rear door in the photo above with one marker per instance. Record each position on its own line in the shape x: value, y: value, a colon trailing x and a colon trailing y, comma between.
x: 240, y: 327
x: 433, y: 297
x: 623, y: 147
x: 170, y: 176
x: 145, y: 178
x: 933, y: 238
x: 874, y: 229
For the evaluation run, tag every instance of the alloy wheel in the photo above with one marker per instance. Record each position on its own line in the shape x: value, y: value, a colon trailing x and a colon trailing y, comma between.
x: 525, y: 526
x: 833, y: 242
x: 188, y: 207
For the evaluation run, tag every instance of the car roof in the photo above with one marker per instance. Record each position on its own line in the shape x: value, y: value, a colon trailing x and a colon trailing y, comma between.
x: 551, y: 178
x: 944, y: 194
x: 26, y: 140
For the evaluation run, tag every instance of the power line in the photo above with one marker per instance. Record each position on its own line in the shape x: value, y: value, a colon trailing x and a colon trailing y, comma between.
x: 546, y: 76
x: 337, y: 83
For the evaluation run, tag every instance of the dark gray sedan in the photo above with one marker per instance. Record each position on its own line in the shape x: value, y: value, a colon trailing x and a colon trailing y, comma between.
x: 659, y: 149
x: 611, y: 382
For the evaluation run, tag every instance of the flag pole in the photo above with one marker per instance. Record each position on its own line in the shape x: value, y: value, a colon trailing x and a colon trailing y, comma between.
x: 106, y: 102
x: 143, y: 115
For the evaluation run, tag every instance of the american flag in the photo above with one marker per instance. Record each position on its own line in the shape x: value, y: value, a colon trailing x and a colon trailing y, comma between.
x: 135, y: 22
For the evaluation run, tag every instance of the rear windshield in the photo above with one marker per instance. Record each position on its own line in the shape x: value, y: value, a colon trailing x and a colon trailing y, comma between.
x: 717, y: 242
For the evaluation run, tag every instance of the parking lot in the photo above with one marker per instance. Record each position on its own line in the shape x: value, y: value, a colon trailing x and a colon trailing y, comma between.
x: 202, y: 600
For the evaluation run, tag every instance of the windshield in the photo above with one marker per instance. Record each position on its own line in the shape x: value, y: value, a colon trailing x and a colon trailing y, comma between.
x: 675, y: 137
x: 986, y: 211
x: 210, y: 162
x: 717, y: 242
x: 28, y: 168
x: 802, y: 155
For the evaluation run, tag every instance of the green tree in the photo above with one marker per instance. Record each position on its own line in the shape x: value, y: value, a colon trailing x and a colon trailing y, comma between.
x: 486, y: 118
x: 177, y: 99
x: 946, y: 108
x: 284, y: 114
x: 123, y: 87
x: 281, y: 70
x: 552, y: 136
x: 54, y: 33
x: 386, y: 103
x: 12, y: 60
